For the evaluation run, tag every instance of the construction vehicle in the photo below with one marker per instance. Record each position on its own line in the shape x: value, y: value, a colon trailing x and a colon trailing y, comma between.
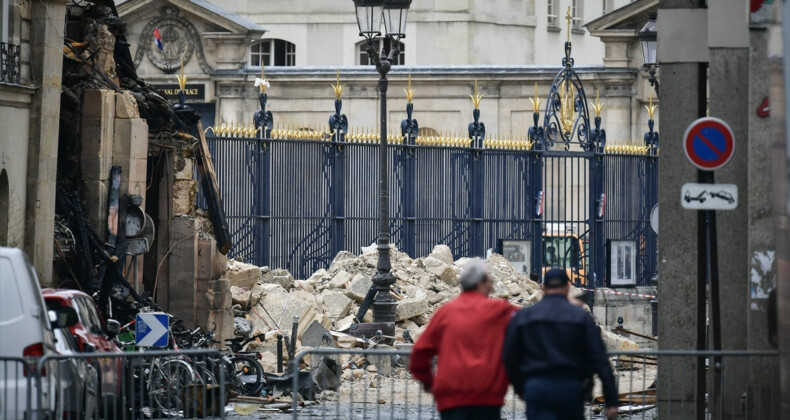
x: 564, y: 248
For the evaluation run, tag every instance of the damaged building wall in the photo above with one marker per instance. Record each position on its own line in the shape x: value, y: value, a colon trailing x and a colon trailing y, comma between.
x: 113, y: 123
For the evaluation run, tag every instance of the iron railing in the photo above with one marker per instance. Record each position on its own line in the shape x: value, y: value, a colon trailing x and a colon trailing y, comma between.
x: 651, y: 385
x: 10, y: 63
x: 295, y: 204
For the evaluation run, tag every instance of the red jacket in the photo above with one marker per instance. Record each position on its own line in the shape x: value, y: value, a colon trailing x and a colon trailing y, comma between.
x: 467, y: 334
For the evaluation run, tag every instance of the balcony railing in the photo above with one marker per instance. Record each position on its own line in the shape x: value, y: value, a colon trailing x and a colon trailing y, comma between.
x: 9, y: 63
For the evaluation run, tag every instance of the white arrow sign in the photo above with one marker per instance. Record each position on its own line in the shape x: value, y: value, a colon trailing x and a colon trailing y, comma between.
x: 709, y: 196
x: 151, y: 329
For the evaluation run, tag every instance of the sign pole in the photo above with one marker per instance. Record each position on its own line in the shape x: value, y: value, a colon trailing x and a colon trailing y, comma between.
x: 715, y: 308
x: 702, y: 275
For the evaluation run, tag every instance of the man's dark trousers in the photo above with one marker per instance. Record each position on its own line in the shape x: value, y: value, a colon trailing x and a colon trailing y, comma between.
x: 554, y: 398
x: 472, y: 412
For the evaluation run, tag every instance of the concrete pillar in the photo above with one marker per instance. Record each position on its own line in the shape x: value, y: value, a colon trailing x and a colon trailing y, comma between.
x: 763, y: 372
x: 777, y: 58
x: 682, y: 101
x: 46, y: 39
x: 729, y: 83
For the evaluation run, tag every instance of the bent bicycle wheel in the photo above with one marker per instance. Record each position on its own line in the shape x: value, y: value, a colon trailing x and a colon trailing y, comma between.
x: 246, y: 376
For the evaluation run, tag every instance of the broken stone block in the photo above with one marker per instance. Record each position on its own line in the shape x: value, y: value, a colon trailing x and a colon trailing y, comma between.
x: 282, y: 277
x: 336, y: 305
x: 615, y: 342
x: 283, y: 306
x: 304, y: 285
x: 341, y: 256
x: 126, y: 105
x: 268, y: 361
x: 317, y: 336
x: 319, y: 276
x: 242, y: 327
x: 442, y: 253
x: 340, y: 279
x: 412, y: 307
x: 382, y: 363
x: 184, y: 197
x: 359, y: 287
x: 500, y: 290
x: 240, y: 296
x: 241, y: 274
x: 256, y: 294
x: 441, y: 270
x: 513, y: 289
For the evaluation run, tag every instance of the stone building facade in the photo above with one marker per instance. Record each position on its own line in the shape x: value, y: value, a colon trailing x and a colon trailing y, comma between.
x: 506, y: 46
x: 32, y: 42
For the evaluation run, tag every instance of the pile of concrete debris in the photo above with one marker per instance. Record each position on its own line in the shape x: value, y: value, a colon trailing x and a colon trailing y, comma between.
x: 266, y: 301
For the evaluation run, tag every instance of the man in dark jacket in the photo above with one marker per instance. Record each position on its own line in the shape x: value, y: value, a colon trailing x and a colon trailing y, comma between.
x: 550, y: 349
x: 467, y: 334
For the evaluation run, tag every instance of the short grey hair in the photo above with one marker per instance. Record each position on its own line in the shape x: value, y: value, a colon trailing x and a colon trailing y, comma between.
x: 473, y: 273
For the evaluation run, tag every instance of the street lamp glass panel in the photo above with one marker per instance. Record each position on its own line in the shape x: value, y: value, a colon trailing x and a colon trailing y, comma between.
x: 648, y: 36
x: 369, y: 13
x: 395, y: 21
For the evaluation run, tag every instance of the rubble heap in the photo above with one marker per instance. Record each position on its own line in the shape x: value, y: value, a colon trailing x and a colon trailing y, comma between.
x: 265, y: 300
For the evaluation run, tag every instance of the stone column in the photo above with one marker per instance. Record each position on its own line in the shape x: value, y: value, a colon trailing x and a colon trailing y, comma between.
x: 46, y: 39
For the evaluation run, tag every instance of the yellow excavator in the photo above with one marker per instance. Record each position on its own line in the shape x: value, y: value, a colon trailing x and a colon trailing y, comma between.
x: 569, y: 251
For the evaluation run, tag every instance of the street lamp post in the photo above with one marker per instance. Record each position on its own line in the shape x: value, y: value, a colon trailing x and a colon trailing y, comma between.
x: 648, y: 36
x: 369, y: 18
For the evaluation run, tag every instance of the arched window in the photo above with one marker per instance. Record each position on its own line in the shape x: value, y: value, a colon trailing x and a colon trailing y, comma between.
x: 273, y: 52
x: 364, y: 58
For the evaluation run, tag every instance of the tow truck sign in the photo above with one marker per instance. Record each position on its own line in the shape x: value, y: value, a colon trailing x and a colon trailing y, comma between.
x: 709, y: 196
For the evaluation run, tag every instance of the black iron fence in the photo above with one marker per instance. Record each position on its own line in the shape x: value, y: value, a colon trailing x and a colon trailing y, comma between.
x: 294, y: 201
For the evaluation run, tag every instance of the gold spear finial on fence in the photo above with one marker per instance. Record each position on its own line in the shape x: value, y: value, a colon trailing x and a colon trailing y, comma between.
x: 569, y: 18
x: 651, y: 109
x: 338, y: 88
x: 182, y: 78
x: 476, y: 98
x: 536, y: 101
x: 410, y: 92
x: 598, y: 106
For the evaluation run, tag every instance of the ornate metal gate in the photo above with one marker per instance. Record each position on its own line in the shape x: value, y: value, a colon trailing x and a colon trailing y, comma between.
x: 561, y: 197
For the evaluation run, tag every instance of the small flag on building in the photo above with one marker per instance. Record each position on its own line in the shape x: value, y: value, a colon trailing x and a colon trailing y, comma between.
x: 158, y: 38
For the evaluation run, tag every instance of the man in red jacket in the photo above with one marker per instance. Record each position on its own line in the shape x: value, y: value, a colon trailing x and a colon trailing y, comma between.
x: 467, y: 334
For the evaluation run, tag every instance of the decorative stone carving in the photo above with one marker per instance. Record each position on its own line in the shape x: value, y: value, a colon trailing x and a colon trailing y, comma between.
x: 179, y: 38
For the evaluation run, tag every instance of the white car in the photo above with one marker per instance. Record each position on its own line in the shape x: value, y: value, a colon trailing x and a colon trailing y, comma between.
x: 25, y: 337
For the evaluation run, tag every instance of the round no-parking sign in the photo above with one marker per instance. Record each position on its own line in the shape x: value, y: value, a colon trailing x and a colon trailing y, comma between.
x: 709, y: 143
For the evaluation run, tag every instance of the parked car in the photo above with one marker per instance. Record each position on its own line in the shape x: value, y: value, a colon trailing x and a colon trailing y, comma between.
x: 93, y: 334
x: 77, y: 378
x: 25, y: 333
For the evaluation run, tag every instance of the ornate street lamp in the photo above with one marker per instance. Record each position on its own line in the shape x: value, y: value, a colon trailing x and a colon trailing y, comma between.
x: 369, y: 17
x: 648, y: 36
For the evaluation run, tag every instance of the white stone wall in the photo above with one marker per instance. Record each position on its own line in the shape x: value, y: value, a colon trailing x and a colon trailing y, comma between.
x: 440, y: 32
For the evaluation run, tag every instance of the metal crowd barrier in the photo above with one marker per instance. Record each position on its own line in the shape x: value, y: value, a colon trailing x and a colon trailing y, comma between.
x: 327, y: 390
x: 114, y: 386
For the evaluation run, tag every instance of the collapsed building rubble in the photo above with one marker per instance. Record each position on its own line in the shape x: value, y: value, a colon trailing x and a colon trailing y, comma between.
x: 266, y: 301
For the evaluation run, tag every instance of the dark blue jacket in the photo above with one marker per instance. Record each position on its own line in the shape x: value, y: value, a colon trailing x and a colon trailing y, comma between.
x: 555, y: 338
